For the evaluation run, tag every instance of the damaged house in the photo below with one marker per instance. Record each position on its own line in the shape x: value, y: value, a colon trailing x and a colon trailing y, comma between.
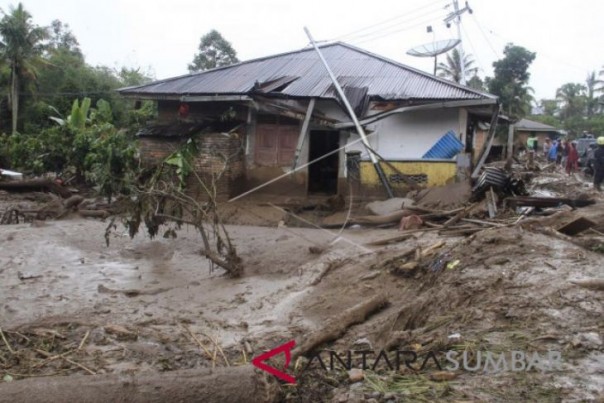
x: 267, y: 118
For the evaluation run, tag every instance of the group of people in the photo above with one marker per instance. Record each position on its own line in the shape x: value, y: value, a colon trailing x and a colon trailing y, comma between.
x: 564, y: 153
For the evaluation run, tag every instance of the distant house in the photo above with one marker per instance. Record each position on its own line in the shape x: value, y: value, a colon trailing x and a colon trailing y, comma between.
x: 524, y: 128
x: 271, y: 114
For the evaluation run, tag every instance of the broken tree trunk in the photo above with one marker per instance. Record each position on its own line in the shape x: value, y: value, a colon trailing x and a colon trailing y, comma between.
x: 94, y: 213
x: 381, y: 219
x: 233, y: 384
x: 335, y: 327
x: 592, y: 284
x: 386, y: 241
x: 35, y: 185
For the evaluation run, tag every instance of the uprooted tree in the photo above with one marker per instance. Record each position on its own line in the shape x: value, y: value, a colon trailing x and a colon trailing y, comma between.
x: 161, y: 200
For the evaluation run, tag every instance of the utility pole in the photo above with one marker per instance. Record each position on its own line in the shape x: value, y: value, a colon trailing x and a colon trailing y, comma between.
x: 353, y: 116
x: 456, y: 16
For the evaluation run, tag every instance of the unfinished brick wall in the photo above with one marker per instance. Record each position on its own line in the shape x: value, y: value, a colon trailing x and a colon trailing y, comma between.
x: 154, y: 150
x: 218, y: 153
x: 214, y: 150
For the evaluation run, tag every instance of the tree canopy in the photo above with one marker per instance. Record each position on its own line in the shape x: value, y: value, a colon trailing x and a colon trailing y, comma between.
x: 510, y: 81
x: 214, y: 51
x: 21, y: 47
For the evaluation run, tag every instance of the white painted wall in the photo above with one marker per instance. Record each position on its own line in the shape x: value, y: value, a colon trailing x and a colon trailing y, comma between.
x: 409, y: 135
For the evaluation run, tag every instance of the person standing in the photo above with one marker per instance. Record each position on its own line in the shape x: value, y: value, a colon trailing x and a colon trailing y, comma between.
x: 546, y: 147
x: 599, y: 164
x: 572, y: 158
x: 551, y: 155
x: 559, y: 152
x: 531, y: 143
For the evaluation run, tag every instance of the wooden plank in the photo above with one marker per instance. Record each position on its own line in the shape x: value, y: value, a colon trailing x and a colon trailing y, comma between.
x: 303, y: 132
x: 386, y: 241
x: 519, y: 201
x: 576, y: 226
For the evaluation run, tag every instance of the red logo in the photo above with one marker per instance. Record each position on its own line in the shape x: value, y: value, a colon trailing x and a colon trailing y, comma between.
x: 259, y: 362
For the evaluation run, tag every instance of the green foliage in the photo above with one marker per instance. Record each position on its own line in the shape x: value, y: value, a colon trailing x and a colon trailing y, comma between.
x: 510, y: 81
x: 79, y: 114
x: 451, y: 70
x: 36, y: 153
x: 214, y: 51
x: 182, y: 159
x: 21, y: 48
x: 477, y: 83
x: 572, y: 98
x: 549, y: 106
x: 547, y: 119
x: 86, y: 144
x: 63, y: 40
x: 112, y: 162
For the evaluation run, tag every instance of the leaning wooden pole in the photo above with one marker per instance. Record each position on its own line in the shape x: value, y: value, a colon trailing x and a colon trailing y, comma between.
x: 487, y: 147
x: 353, y: 116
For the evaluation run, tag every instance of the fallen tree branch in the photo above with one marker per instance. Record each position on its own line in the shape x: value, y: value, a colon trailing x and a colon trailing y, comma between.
x: 336, y: 326
x: 592, y: 284
x: 94, y: 213
x: 34, y: 185
x: 131, y: 292
x: 386, y: 241
x: 234, y: 384
x: 10, y: 349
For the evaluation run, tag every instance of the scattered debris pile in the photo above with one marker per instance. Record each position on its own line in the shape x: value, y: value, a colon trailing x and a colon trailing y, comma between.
x: 44, y: 206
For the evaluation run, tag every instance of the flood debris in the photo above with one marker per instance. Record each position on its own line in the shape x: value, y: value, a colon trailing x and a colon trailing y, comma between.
x: 527, y: 201
x: 506, y: 276
x: 576, y: 226
x: 36, y: 185
x: 236, y: 384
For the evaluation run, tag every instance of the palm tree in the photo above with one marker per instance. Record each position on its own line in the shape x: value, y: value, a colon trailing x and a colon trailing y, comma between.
x: 20, y: 47
x: 572, y: 98
x: 591, y: 83
x: 451, y: 70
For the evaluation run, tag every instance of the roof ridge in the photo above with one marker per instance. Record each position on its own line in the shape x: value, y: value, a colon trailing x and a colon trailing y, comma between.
x: 197, y: 73
x: 463, y: 91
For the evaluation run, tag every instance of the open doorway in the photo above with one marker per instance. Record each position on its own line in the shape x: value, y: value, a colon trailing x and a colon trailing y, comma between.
x: 323, y: 174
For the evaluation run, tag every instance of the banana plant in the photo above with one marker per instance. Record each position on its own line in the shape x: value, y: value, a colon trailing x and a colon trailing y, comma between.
x: 78, y: 117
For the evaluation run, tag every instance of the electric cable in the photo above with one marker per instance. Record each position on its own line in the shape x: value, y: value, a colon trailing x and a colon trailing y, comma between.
x: 407, y: 14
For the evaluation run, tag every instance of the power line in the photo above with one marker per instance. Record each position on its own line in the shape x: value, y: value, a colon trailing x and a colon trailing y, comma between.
x: 473, y: 50
x: 485, y: 36
x: 80, y: 93
x: 547, y: 56
x: 396, y: 27
x: 391, y: 32
x: 409, y: 16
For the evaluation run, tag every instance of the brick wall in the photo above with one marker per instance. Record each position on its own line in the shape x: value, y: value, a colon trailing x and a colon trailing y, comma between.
x: 221, y: 157
x: 154, y: 150
x: 214, y: 150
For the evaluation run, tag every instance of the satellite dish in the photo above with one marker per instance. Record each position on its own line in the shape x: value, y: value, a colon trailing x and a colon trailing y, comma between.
x: 433, y: 49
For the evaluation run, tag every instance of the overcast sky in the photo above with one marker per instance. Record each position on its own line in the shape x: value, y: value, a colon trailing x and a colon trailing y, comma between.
x: 163, y: 36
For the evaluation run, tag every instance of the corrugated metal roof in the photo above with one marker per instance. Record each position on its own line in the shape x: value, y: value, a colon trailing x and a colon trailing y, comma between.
x: 354, y: 67
x: 525, y: 124
x: 448, y: 146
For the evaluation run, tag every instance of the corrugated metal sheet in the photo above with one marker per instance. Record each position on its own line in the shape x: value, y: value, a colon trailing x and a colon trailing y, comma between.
x: 448, y: 146
x: 354, y: 67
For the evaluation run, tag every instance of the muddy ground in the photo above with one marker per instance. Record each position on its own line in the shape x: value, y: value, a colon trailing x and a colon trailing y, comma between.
x: 72, y: 305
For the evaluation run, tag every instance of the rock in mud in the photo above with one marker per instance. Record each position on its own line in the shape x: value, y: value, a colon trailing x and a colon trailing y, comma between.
x: 356, y: 375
